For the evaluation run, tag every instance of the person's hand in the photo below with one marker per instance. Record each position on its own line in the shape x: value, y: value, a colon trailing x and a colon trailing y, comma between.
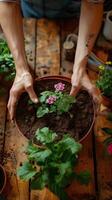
x: 21, y: 83
x: 80, y: 80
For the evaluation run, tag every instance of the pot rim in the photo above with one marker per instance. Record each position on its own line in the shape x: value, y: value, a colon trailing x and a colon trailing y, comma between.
x: 52, y: 77
x: 4, y: 172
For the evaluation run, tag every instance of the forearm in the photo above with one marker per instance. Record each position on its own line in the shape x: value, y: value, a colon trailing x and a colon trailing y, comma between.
x: 89, y: 26
x: 12, y: 25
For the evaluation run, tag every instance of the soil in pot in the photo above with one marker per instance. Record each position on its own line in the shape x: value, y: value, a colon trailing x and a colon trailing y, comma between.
x: 82, y: 112
x: 2, y: 179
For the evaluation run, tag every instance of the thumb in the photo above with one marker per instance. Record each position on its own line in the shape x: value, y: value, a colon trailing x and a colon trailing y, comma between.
x: 32, y: 94
x: 74, y: 90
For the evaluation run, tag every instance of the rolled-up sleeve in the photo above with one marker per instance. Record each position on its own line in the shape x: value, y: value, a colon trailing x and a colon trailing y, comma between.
x: 14, y: 1
x: 96, y: 1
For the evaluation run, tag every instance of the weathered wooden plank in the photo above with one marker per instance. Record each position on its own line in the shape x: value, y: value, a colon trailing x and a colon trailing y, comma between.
x: 47, y: 63
x: 76, y: 190
x: 86, y: 161
x: 44, y: 194
x: 104, y: 161
x: 3, y: 104
x: 14, y: 141
x: 30, y: 40
x: 48, y: 48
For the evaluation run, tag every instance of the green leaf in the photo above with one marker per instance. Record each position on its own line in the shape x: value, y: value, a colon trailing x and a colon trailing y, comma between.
x: 31, y: 148
x: 107, y: 141
x: 37, y: 154
x: 30, y: 102
x: 83, y: 177
x: 107, y: 130
x: 56, y: 160
x: 58, y: 191
x: 40, y: 180
x: 42, y: 110
x: 64, y: 103
x: 110, y: 116
x: 40, y: 156
x: 27, y: 171
x: 45, y: 135
x: 65, y: 171
x: 64, y: 167
x: 68, y: 143
x: 44, y: 95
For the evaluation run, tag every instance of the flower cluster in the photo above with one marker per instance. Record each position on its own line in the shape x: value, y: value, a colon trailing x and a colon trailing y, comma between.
x: 109, y: 149
x: 104, y: 82
x: 107, y: 132
x: 55, y: 101
x: 51, y: 99
x: 59, y: 87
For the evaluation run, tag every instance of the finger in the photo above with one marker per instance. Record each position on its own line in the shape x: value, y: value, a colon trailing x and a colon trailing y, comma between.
x: 95, y: 92
x: 32, y: 93
x: 97, y: 97
x: 12, y: 106
x: 74, y: 90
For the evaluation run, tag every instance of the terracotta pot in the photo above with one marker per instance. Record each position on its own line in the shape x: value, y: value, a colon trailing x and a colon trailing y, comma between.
x: 44, y: 79
x: 3, y: 177
x: 106, y: 101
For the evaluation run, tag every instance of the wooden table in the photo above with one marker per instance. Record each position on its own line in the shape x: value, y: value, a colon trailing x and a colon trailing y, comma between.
x: 44, y: 41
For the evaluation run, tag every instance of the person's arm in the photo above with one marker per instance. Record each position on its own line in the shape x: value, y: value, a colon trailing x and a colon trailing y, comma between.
x: 89, y: 26
x: 12, y: 25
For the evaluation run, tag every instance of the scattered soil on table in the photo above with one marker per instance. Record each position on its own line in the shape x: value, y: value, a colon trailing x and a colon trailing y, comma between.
x: 82, y: 112
x: 2, y: 178
x: 83, y: 197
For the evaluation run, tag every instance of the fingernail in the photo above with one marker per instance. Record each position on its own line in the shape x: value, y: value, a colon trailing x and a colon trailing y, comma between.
x: 36, y: 100
x: 12, y: 121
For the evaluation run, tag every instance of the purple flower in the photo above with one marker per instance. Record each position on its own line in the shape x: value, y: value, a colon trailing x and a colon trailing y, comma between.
x: 109, y: 149
x: 59, y: 87
x: 51, y: 99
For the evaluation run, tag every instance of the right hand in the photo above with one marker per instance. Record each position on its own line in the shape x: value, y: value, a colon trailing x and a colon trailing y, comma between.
x: 80, y: 80
x: 23, y: 82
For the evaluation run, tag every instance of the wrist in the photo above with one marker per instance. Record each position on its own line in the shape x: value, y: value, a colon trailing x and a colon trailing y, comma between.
x: 20, y: 72
x: 22, y: 67
x: 78, y: 69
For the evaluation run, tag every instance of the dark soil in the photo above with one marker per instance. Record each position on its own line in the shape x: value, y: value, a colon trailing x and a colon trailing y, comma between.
x: 110, y: 18
x: 2, y: 178
x: 82, y: 112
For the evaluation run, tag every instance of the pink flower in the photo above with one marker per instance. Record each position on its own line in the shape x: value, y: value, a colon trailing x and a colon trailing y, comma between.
x: 51, y: 99
x: 59, y: 87
x: 109, y: 149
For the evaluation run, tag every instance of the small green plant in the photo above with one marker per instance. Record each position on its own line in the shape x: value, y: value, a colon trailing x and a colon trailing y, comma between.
x: 7, y: 67
x: 52, y: 165
x: 108, y: 132
x: 104, y: 83
x: 55, y: 101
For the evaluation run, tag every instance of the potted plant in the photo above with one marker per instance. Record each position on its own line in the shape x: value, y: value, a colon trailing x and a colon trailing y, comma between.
x: 108, y: 135
x: 52, y: 164
x: 56, y: 109
x: 104, y: 134
x: 7, y: 67
x: 104, y: 83
x: 2, y: 179
x: 108, y: 141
